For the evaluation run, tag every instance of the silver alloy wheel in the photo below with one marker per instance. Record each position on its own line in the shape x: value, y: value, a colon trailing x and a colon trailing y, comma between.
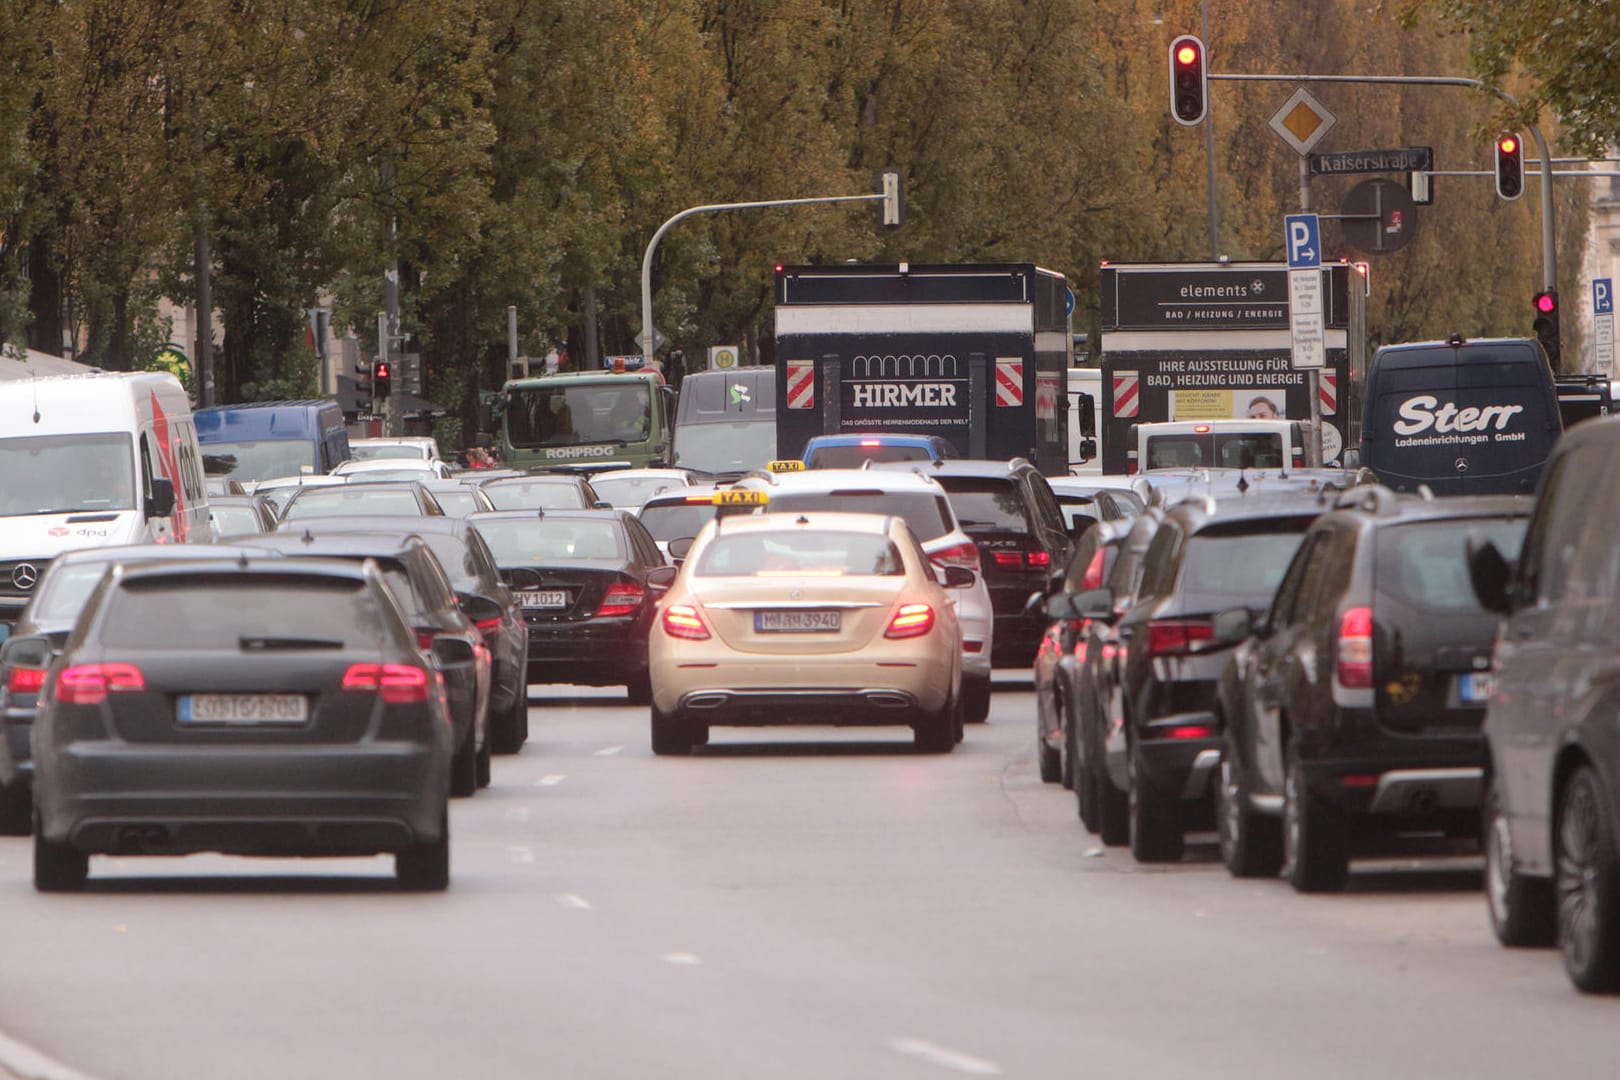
x: 1231, y: 816
x: 1498, y: 863
x: 1292, y: 826
x: 1577, y: 874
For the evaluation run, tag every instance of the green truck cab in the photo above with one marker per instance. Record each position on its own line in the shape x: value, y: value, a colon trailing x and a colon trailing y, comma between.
x: 585, y: 418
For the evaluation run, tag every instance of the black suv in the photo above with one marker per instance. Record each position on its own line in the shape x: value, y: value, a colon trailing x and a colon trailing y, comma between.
x: 1359, y: 699
x: 1552, y: 801
x: 1204, y: 559
x: 1009, y: 510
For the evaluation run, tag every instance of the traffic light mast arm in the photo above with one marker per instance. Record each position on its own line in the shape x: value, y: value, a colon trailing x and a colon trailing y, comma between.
x: 1549, y: 252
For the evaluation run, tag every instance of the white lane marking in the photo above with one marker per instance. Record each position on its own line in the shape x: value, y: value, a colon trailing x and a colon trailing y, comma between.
x: 686, y: 958
x: 517, y: 813
x: 551, y: 780
x: 520, y: 853
x: 21, y: 1059
x: 608, y: 751
x: 573, y: 900
x: 945, y: 1058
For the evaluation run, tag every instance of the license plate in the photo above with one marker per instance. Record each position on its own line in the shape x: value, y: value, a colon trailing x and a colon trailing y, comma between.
x: 244, y: 709
x: 799, y: 622
x: 1476, y: 687
x: 543, y: 598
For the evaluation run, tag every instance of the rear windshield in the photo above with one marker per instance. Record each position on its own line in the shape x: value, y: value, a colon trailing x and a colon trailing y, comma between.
x: 1425, y: 563
x: 458, y: 503
x: 800, y: 554
x: 1224, y: 451
x: 853, y: 457
x: 372, y: 452
x: 987, y: 504
x: 359, y: 499
x: 927, y: 515
x: 234, y: 520
x: 259, y: 460
x: 516, y: 541
x: 536, y: 496
x: 1225, y: 568
x: 671, y: 521
x: 632, y: 491
x: 214, y: 614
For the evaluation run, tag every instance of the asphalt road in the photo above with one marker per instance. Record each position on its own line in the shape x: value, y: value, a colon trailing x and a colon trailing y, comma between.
x: 810, y: 904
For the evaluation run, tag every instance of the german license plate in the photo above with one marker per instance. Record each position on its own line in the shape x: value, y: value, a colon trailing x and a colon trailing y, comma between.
x: 543, y: 598
x: 1476, y: 687
x: 797, y: 622
x: 244, y: 709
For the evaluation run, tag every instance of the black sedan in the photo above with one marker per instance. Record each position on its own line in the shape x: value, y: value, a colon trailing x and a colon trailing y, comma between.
x: 253, y: 707
x: 580, y: 577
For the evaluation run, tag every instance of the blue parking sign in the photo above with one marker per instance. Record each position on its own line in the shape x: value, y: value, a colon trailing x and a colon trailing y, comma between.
x: 1302, y: 236
x: 1602, y: 296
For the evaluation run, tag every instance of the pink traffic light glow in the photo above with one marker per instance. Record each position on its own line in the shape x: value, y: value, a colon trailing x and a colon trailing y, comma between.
x: 1187, y: 55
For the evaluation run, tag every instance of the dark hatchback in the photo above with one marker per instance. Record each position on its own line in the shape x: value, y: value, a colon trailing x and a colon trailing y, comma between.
x: 580, y: 578
x: 1355, y: 709
x: 283, y: 709
x: 410, y: 568
x: 482, y: 593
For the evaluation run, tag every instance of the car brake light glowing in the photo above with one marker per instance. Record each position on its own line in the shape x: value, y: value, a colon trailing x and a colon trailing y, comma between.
x: 26, y: 680
x: 1008, y: 558
x: 685, y: 621
x: 870, y: 442
x: 971, y: 646
x: 1355, y: 648
x: 1041, y: 559
x: 1360, y: 780
x: 88, y: 684
x: 964, y: 554
x: 622, y: 598
x: 1191, y: 731
x: 911, y: 620
x: 489, y: 626
x: 396, y: 684
x: 1202, y: 429
x: 424, y: 638
x: 1093, y: 577
x: 1173, y: 637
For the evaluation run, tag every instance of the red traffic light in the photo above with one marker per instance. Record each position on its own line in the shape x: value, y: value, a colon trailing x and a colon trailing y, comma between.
x: 1546, y: 303
x: 1509, y: 165
x: 1189, y: 81
x: 1187, y: 55
x: 382, y: 369
x: 1507, y: 144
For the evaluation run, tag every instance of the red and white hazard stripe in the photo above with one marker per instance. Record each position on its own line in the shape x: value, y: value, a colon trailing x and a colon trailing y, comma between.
x: 801, y: 384
x: 1329, y: 393
x: 1126, y: 399
x: 1009, y: 381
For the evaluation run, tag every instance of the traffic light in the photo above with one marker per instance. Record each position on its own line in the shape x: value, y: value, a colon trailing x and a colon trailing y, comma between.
x: 1189, y: 81
x: 1546, y: 325
x: 1509, y: 165
x: 382, y: 378
x: 893, y: 205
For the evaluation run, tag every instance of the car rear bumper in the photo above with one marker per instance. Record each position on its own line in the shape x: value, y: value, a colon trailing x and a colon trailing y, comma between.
x: 834, y: 689
x: 1179, y: 765
x: 17, y: 760
x: 109, y: 797
x: 603, y: 654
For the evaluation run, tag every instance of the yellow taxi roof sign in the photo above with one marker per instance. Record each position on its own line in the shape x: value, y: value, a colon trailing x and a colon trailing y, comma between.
x: 786, y: 465
x: 741, y: 497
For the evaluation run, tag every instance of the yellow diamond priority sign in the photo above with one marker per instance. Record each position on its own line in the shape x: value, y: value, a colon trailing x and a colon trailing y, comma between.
x: 1302, y: 121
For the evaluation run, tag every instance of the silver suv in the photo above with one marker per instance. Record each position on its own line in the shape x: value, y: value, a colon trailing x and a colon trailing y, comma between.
x: 921, y: 502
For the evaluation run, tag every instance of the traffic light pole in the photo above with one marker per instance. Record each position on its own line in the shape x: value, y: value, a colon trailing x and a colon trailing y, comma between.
x: 1549, y: 250
x: 648, y: 346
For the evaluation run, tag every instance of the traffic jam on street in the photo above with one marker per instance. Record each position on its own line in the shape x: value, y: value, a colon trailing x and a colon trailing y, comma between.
x: 1228, y: 690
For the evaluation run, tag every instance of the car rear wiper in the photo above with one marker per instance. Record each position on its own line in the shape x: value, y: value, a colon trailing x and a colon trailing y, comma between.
x: 259, y: 644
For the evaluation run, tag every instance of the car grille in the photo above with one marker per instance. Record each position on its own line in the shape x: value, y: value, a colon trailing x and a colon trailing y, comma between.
x: 20, y: 577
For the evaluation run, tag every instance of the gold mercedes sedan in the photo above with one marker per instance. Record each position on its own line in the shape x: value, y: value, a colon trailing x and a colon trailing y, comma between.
x: 815, y: 618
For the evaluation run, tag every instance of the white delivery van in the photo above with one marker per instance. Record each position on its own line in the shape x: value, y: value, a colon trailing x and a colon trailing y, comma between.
x: 1085, y: 402
x: 91, y: 460
x: 1203, y: 444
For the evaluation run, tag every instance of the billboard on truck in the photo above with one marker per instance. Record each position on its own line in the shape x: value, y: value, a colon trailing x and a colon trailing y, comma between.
x: 974, y: 354
x: 1210, y: 341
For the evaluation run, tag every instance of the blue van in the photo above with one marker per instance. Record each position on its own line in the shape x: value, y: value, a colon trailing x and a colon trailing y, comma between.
x: 260, y: 440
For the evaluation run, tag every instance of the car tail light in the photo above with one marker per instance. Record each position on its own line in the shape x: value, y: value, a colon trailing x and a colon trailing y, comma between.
x: 88, y: 684
x: 1093, y: 577
x: 1039, y: 559
x: 964, y: 554
x: 621, y: 599
x: 1175, y: 637
x: 396, y: 684
x: 1355, y: 648
x: 685, y: 621
x: 424, y: 638
x: 1191, y: 731
x: 869, y: 443
x: 26, y: 680
x: 1359, y: 780
x: 489, y: 627
x: 911, y: 620
x: 1008, y: 558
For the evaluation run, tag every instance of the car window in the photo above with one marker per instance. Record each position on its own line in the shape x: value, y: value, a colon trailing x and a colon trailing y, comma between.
x: 853, y: 457
x: 988, y: 503
x: 1424, y: 562
x: 1286, y: 601
x: 801, y: 554
x: 208, y: 613
x: 432, y: 583
x: 541, y: 496
x: 1159, y: 564
x: 540, y: 540
x: 670, y: 521
x: 1227, y: 565
x: 1043, y: 501
x: 339, y: 501
x: 922, y: 511
x: 1548, y: 546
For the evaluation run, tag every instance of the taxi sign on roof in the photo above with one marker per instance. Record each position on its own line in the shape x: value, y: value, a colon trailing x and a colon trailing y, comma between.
x: 741, y: 497
x: 786, y: 465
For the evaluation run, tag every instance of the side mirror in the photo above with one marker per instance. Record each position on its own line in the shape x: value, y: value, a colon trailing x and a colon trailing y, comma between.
x: 481, y: 608
x: 1088, y: 449
x: 601, y: 504
x: 1061, y: 607
x: 161, y: 501
x: 959, y: 577
x: 1351, y: 458
x: 451, y: 653
x: 1490, y: 574
x: 1233, y: 625
x: 29, y: 650
x: 661, y: 578
x: 680, y: 546
x: 1094, y: 604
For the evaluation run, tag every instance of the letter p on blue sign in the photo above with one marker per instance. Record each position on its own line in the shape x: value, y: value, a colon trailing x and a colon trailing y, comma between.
x: 1302, y: 236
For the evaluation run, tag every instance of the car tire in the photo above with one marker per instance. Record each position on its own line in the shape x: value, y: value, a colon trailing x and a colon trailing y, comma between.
x: 1316, y: 842
x: 1156, y: 829
x: 425, y: 866
x: 975, y: 699
x: 1085, y: 787
x: 58, y: 868
x: 1050, y: 761
x: 936, y: 733
x: 1588, y: 884
x: 484, y: 771
x: 16, y: 809
x: 508, y: 734
x: 1523, y: 909
x: 958, y: 720
x: 1066, y: 753
x: 1113, y: 808
x: 639, y: 689
x: 464, y: 769
x: 1251, y: 842
x: 671, y: 734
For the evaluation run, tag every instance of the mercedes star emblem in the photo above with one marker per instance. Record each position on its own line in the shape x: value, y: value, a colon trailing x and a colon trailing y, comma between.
x: 1462, y: 464
x: 23, y: 575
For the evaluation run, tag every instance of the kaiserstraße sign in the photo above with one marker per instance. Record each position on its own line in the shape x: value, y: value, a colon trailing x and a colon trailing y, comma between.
x: 1411, y: 159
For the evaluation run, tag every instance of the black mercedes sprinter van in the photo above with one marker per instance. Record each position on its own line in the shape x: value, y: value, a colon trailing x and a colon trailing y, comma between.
x: 1463, y: 417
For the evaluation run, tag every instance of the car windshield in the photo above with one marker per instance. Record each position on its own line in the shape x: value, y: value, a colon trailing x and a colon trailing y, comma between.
x: 216, y: 613
x: 258, y: 460
x: 360, y: 499
x: 928, y: 515
x: 61, y: 474
x: 525, y: 541
x: 234, y: 520
x: 987, y: 504
x: 536, y: 495
x: 1230, y: 568
x: 373, y: 452
x: 1225, y: 451
x: 672, y: 520
x: 458, y: 503
x: 801, y: 554
x: 631, y: 491
x: 856, y: 455
x: 725, y: 448
x: 578, y: 413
